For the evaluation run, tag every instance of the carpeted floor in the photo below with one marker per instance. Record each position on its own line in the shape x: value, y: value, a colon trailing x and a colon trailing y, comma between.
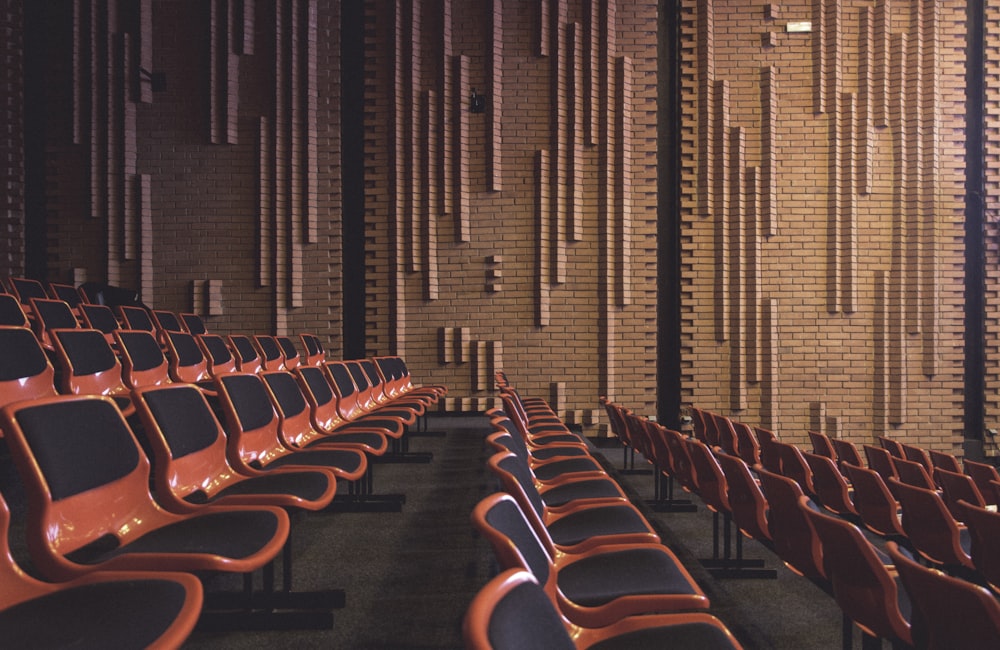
x: 408, y: 576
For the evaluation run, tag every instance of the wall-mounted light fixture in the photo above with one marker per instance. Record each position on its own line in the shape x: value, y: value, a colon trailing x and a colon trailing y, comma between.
x: 477, y: 102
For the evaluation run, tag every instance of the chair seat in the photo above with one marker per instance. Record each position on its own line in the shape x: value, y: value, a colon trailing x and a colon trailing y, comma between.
x: 579, y: 526
x: 211, y: 533
x: 597, y: 488
x: 557, y: 468
x: 309, y: 486
x: 344, y: 462
x: 119, y: 614
x: 602, y: 578
x: 697, y: 635
x: 370, y: 439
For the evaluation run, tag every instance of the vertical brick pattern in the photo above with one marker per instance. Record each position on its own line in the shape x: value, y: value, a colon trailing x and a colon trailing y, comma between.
x: 494, y: 141
x: 460, y: 143
x: 855, y: 281
x: 623, y: 181
x: 11, y: 138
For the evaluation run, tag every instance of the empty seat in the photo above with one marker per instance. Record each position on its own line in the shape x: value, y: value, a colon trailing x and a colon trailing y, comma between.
x: 143, y: 362
x: 121, y: 609
x: 25, y: 370
x: 50, y: 315
x: 102, y: 319
x: 193, y: 323
x: 513, y: 612
x: 930, y: 528
x: 90, y: 367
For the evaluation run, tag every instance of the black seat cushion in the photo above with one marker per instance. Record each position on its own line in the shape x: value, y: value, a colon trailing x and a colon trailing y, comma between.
x: 601, y: 578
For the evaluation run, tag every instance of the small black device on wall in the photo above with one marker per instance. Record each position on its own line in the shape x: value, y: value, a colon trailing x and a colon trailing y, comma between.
x: 477, y: 102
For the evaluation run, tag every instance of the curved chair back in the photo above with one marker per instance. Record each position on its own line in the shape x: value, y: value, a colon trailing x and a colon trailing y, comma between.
x: 746, y: 501
x: 984, y: 541
x: 931, y: 529
x: 794, y: 537
x: 948, y: 612
x: 876, y: 505
x: 832, y: 490
x: 862, y: 585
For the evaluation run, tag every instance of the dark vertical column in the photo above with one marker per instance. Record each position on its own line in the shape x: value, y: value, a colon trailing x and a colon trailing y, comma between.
x: 668, y: 308
x: 352, y: 44
x: 975, y: 287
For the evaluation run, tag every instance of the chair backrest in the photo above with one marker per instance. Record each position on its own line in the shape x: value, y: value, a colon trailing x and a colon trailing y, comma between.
x: 746, y: 501
x: 726, y: 435
x: 513, y: 612
x: 70, y: 488
x: 315, y: 354
x: 218, y: 354
x: 25, y: 370
x: 680, y: 457
x: 913, y: 473
x: 917, y: 455
x: 983, y: 474
x: 143, y: 363
x: 189, y: 446
x: 293, y: 409
x: 847, y: 452
x: 875, y: 503
x: 768, y: 456
x: 89, y: 365
x: 948, y: 612
x: 50, y: 315
x: 984, y: 541
x: 67, y: 293
x: 747, y: 445
x: 100, y: 318
x: 500, y: 520
x: 822, y: 445
x: 193, y: 323
x: 880, y: 460
x: 795, y: 540
x: 956, y: 487
x: 11, y: 312
x: 931, y: 529
x: 832, y: 490
x: 251, y: 420
x: 25, y: 289
x: 271, y: 356
x: 891, y: 446
x: 289, y: 351
x: 322, y: 400
x: 166, y: 321
x: 246, y: 354
x: 347, y: 392
x: 944, y: 460
x: 794, y: 466
x: 136, y: 318
x: 185, y: 358
x: 862, y: 585
x: 710, y: 480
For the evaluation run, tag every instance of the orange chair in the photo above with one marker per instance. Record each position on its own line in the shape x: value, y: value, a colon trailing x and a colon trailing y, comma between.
x: 880, y: 460
x: 862, y: 584
x: 795, y: 539
x: 186, y: 361
x: 121, y: 609
x: 25, y: 370
x: 49, y: 315
x: 983, y: 474
x: 984, y: 542
x: 894, y: 448
x: 948, y: 612
x: 255, y: 440
x: 822, y: 445
x: 191, y: 467
x: 24, y: 289
x: 324, y: 414
x: 747, y: 502
x: 831, y: 489
x: 193, y: 323
x: 11, y: 312
x: 944, y: 460
x: 315, y: 354
x: 847, y: 452
x: 747, y: 445
x: 913, y: 473
x: 513, y: 612
x: 246, y: 354
x: 596, y: 588
x: 90, y: 367
x: 578, y: 526
x: 930, y: 528
x: 271, y: 356
x: 101, y: 318
x: 875, y: 503
x: 218, y: 354
x: 143, y: 363
x: 71, y: 529
x: 134, y: 317
x: 289, y: 351
x: 956, y: 487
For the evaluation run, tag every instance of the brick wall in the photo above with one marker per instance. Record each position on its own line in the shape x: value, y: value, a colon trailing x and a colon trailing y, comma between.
x: 823, y: 217
x: 11, y: 139
x: 822, y: 239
